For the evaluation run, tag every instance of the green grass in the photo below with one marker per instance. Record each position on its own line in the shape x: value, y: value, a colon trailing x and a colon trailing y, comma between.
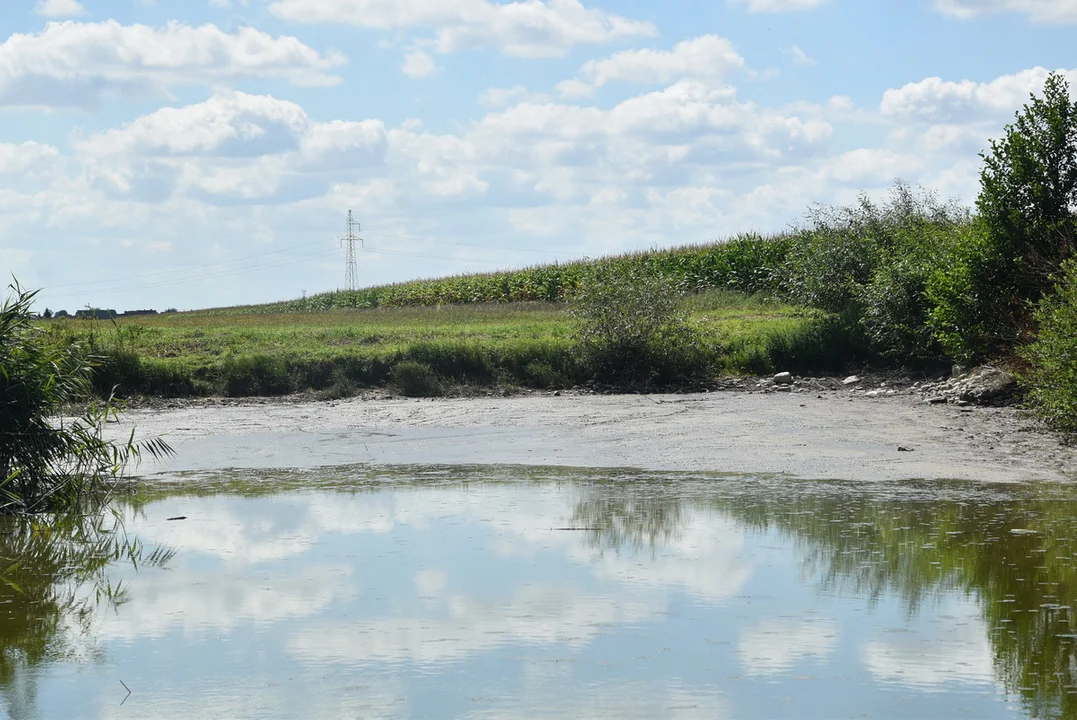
x: 442, y: 348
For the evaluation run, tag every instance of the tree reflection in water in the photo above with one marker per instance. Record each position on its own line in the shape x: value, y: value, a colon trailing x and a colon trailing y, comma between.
x: 1012, y: 549
x: 53, y: 578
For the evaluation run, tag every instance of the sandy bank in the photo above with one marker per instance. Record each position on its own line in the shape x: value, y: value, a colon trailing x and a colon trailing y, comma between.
x: 808, y: 434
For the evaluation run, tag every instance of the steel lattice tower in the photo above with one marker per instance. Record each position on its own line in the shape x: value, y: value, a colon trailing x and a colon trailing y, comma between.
x: 351, y: 273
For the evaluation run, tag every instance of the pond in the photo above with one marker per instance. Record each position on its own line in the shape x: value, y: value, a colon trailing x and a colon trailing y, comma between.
x: 525, y: 592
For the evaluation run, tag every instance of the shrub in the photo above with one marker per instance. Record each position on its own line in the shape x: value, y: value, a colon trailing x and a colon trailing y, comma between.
x: 1051, y: 377
x: 244, y: 375
x: 48, y: 463
x: 415, y: 379
x: 631, y: 331
x: 971, y: 308
x: 869, y: 265
x: 340, y: 386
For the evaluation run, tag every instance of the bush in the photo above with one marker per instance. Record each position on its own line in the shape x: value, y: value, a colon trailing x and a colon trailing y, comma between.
x: 244, y: 375
x: 48, y: 463
x: 870, y: 265
x: 971, y: 310
x: 631, y: 331
x: 415, y: 379
x: 1051, y: 377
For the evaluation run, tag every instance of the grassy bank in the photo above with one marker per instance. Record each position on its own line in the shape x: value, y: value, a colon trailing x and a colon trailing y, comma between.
x: 420, y: 350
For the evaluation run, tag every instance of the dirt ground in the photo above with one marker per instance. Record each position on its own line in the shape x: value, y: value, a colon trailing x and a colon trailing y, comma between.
x: 815, y: 429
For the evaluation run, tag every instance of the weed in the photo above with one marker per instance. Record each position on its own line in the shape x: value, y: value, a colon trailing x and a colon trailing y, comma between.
x: 416, y: 379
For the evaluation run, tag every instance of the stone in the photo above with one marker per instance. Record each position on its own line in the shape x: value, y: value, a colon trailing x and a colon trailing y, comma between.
x: 986, y: 385
x: 783, y: 378
x: 937, y: 400
x: 851, y: 380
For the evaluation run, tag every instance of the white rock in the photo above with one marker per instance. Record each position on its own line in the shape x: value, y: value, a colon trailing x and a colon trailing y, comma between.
x: 851, y: 380
x: 783, y: 378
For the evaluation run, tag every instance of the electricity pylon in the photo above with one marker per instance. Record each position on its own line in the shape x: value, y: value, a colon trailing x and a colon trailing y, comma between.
x: 351, y: 273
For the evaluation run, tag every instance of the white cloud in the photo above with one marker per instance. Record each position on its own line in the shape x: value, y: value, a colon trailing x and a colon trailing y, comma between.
x: 777, y: 6
x: 871, y: 167
x: 802, y: 58
x: 527, y: 28
x: 418, y: 64
x: 708, y: 57
x: 71, y: 64
x: 935, y: 100
x: 1044, y: 11
x: 234, y: 145
x: 575, y: 89
x: 59, y: 8
x: 501, y: 97
x: 225, y: 124
x: 26, y: 158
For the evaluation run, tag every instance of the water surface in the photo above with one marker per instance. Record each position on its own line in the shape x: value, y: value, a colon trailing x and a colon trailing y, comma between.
x: 511, y: 592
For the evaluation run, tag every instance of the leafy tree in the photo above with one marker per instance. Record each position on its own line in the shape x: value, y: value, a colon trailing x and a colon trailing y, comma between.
x: 1029, y: 187
x: 1028, y: 215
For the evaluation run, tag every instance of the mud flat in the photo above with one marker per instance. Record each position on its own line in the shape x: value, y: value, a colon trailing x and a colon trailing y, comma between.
x: 808, y: 434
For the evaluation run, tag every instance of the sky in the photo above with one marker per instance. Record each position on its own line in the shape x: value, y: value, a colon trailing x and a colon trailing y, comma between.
x: 201, y: 153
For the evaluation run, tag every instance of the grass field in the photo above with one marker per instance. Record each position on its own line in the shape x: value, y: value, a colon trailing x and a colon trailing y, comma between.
x: 417, y: 350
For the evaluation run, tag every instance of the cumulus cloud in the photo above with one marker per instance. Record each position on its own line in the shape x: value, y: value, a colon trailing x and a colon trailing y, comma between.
x: 78, y: 64
x: 527, y: 28
x: 59, y: 8
x: 28, y: 157
x: 777, y: 6
x: 233, y: 145
x: 1045, y: 11
x: 708, y: 57
x: 936, y: 100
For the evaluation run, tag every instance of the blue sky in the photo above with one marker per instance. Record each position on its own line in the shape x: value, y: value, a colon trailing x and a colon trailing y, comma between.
x: 159, y: 153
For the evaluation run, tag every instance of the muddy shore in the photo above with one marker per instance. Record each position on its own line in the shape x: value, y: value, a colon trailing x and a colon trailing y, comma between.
x: 816, y: 430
